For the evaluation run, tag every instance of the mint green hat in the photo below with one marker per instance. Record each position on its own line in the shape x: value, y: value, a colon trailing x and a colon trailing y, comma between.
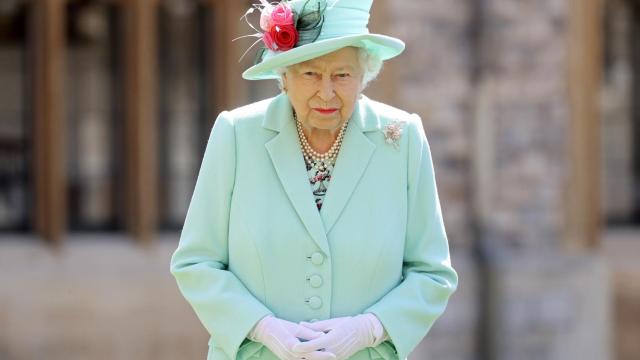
x: 344, y: 24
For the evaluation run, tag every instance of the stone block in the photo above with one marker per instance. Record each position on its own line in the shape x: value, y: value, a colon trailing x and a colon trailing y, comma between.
x: 548, y: 307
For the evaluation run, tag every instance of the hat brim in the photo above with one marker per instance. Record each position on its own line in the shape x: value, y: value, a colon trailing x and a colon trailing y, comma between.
x: 382, y: 46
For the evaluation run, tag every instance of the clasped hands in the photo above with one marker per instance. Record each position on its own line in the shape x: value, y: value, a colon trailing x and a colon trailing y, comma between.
x: 332, y: 339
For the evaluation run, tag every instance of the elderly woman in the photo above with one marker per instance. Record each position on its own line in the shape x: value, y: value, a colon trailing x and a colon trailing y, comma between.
x: 315, y: 229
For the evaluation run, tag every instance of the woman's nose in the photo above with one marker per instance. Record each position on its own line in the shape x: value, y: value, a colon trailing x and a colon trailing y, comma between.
x: 326, y: 91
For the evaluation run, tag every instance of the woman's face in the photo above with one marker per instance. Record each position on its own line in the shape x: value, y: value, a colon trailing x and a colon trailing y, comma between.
x: 324, y: 90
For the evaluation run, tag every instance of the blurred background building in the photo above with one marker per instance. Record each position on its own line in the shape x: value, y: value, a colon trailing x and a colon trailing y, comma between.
x: 530, y: 106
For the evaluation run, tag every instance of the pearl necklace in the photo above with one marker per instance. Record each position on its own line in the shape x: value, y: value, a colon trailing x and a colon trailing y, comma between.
x: 317, y: 160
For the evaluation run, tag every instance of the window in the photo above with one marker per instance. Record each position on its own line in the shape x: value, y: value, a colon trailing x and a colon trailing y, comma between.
x: 15, y: 133
x: 184, y: 104
x: 621, y: 115
x: 93, y: 120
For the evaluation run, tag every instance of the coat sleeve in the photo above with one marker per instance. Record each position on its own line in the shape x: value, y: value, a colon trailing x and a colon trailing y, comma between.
x: 408, y: 311
x: 223, y: 304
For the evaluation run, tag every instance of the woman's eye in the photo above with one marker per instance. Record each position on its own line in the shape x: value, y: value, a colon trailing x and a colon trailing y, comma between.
x: 343, y: 75
x: 309, y: 73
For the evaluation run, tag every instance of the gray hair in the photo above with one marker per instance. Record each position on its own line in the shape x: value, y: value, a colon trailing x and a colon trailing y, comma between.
x: 370, y: 63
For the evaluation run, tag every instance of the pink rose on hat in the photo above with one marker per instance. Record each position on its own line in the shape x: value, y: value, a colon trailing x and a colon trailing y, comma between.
x: 282, y: 14
x: 280, y: 33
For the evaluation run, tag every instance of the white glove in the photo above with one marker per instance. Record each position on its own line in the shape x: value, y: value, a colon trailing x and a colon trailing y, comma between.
x: 344, y: 336
x: 281, y: 335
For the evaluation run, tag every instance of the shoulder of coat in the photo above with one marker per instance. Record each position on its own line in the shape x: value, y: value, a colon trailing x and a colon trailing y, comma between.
x: 389, y: 114
x: 250, y: 113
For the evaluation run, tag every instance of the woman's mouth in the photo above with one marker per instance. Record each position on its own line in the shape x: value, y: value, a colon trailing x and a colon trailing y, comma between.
x: 328, y: 111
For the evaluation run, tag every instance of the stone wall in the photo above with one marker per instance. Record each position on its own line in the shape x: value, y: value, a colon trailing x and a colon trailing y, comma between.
x: 433, y: 79
x: 524, y: 72
x: 99, y: 298
x: 549, y: 307
x: 490, y: 80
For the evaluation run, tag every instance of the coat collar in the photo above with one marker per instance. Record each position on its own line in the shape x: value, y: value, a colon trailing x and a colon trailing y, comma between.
x: 354, y: 156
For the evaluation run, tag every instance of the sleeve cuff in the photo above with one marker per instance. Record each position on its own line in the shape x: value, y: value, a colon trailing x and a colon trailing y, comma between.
x: 256, y: 329
x: 379, y: 333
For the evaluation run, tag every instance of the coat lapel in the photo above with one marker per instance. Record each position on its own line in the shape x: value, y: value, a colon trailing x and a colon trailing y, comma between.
x: 353, y: 159
x: 285, y: 154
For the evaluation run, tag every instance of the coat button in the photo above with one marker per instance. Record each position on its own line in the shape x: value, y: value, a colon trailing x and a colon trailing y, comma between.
x: 315, y: 280
x: 317, y: 258
x: 315, y: 302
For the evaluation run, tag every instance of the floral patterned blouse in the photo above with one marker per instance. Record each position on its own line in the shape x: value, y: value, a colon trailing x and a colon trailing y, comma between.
x: 319, y: 181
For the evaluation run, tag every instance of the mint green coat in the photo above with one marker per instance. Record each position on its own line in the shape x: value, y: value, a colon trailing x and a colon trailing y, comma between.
x: 254, y: 243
